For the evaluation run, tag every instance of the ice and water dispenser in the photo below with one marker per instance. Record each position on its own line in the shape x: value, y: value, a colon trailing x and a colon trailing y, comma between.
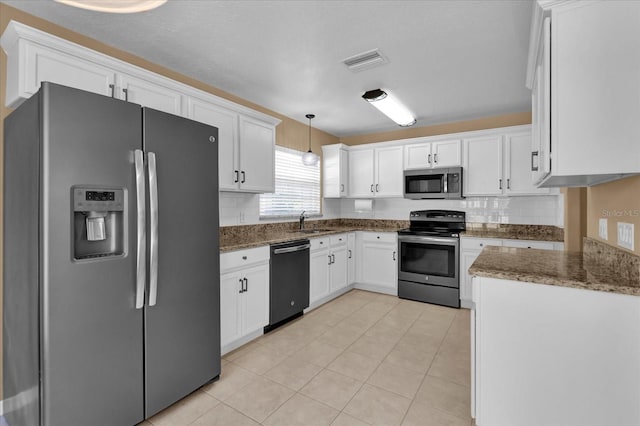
x: 98, y: 222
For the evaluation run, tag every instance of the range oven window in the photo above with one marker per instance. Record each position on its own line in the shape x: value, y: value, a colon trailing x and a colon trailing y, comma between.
x: 428, y: 259
x: 423, y: 184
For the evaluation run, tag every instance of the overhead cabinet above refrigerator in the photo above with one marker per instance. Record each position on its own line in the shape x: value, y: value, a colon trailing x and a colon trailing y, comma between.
x: 111, y: 271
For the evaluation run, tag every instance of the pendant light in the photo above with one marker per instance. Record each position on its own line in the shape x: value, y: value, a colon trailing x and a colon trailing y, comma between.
x: 309, y: 158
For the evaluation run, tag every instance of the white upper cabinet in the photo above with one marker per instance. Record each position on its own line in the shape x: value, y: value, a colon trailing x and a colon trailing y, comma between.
x: 227, y: 123
x: 246, y: 137
x: 335, y: 171
x: 245, y: 147
x: 499, y: 165
x: 432, y: 154
x: 583, y: 66
x: 29, y: 64
x: 388, y: 172
x: 257, y: 155
x: 361, y: 173
x: 148, y: 93
x: 517, y: 167
x: 482, y: 164
x: 375, y: 172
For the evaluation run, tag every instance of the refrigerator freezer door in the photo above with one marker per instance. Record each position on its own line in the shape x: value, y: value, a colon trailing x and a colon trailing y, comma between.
x: 182, y: 330
x: 92, y: 370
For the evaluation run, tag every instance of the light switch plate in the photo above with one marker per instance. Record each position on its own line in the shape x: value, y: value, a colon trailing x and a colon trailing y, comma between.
x: 602, y: 229
x: 625, y: 235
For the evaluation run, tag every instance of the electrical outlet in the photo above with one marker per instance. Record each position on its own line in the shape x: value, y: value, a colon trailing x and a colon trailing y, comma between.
x: 602, y: 228
x: 625, y: 235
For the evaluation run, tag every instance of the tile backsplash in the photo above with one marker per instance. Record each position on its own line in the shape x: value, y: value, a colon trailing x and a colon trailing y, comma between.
x: 241, y: 209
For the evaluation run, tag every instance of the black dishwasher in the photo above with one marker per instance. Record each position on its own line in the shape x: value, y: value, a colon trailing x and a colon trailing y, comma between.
x: 289, y: 282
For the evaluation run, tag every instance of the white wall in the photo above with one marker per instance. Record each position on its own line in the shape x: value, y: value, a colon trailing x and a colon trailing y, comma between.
x: 538, y: 210
x: 243, y: 209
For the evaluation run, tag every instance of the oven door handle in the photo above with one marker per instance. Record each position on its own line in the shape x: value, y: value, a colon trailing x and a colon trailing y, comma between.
x: 416, y: 239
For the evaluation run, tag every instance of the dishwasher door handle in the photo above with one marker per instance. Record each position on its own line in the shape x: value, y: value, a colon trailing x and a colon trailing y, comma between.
x: 291, y: 249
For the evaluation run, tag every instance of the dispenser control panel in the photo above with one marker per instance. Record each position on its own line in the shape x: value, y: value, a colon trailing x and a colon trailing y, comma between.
x: 85, y: 200
x: 100, y: 195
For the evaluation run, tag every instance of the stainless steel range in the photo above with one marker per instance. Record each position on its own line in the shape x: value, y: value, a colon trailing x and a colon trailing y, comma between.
x: 429, y: 262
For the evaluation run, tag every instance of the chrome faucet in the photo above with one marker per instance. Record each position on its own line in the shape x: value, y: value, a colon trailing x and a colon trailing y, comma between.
x: 302, y: 220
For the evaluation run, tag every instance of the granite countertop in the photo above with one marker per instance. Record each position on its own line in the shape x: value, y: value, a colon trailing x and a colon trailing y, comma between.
x: 249, y: 236
x: 514, y: 232
x: 243, y: 237
x: 558, y: 268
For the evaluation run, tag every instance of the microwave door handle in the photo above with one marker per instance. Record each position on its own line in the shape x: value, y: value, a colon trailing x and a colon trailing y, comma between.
x: 446, y: 182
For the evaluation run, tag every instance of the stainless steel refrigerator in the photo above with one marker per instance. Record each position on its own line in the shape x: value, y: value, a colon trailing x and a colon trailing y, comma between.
x: 111, y: 264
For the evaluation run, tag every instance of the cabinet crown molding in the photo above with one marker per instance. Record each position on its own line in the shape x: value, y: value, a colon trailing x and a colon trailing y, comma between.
x: 18, y: 34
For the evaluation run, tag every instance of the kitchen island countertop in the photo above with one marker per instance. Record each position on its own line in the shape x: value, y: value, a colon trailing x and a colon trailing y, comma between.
x: 557, y: 268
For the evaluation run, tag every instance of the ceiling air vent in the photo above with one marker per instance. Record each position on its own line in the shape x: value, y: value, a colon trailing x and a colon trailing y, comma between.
x: 365, y: 60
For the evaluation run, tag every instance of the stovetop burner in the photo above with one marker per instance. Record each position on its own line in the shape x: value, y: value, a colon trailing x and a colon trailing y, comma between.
x: 447, y: 223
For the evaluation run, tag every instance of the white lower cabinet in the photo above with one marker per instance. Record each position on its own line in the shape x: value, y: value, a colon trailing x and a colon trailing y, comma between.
x: 319, y: 270
x: 471, y: 247
x: 351, y: 258
x: 535, y: 345
x: 244, y: 296
x: 377, y: 262
x: 328, y: 267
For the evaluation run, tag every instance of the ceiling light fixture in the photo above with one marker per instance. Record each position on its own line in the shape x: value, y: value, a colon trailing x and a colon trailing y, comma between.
x: 115, y: 6
x: 309, y: 158
x: 390, y: 107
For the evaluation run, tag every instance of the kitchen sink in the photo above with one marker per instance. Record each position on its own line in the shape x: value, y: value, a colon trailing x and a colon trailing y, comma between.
x: 311, y: 231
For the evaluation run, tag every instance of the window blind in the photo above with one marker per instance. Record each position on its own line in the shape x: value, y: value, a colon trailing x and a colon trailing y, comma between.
x: 297, y: 187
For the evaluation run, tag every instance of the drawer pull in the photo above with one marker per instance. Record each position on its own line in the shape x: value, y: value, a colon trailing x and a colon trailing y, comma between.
x: 244, y: 257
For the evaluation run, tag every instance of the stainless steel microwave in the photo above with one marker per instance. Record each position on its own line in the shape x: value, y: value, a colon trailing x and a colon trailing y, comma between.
x: 439, y: 183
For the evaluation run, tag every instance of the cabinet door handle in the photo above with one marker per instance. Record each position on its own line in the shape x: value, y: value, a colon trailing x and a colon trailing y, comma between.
x: 329, y: 256
x: 243, y: 177
x: 342, y: 187
x: 534, y: 154
x: 500, y: 184
x: 349, y: 253
x: 241, y: 286
x: 435, y: 158
x: 394, y: 255
x: 246, y: 284
x: 113, y: 88
x: 126, y: 94
x: 377, y: 187
x: 429, y: 159
x: 508, y: 183
x: 371, y: 187
x: 237, y: 176
x: 333, y: 258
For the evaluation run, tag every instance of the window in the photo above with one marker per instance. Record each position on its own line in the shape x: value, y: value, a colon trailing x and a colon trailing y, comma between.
x: 297, y: 187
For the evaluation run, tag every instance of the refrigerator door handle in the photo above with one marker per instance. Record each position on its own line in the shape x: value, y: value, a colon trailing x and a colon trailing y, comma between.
x: 153, y: 229
x: 141, y: 262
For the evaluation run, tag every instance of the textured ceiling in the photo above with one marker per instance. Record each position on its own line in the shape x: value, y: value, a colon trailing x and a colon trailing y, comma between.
x: 448, y: 60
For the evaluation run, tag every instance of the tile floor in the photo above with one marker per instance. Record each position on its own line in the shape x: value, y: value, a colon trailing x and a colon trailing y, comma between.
x: 361, y: 359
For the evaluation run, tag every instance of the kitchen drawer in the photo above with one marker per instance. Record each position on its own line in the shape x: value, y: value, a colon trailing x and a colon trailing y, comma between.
x: 338, y: 240
x: 320, y: 243
x: 543, y: 245
x: 381, y: 237
x: 242, y: 258
x: 478, y: 243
